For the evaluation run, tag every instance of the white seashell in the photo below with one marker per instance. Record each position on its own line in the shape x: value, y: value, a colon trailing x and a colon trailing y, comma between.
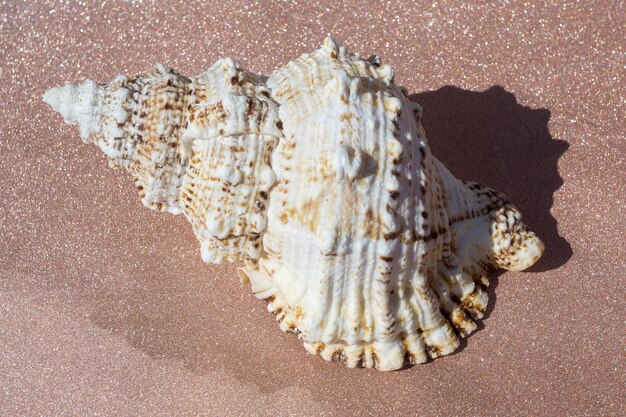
x: 323, y: 184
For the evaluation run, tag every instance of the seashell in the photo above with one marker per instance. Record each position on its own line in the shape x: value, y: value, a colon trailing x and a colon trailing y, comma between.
x: 320, y: 180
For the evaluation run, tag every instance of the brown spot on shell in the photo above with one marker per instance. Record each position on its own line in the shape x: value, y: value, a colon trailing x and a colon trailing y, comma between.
x: 391, y: 236
x: 346, y: 116
x: 250, y: 106
x: 298, y: 314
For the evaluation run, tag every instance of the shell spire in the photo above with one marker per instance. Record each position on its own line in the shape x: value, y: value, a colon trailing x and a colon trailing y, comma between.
x: 320, y: 180
x: 80, y: 104
x: 138, y: 123
x: 194, y: 145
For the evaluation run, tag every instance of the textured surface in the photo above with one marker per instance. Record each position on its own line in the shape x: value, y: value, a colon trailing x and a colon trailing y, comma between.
x: 376, y: 255
x: 106, y: 307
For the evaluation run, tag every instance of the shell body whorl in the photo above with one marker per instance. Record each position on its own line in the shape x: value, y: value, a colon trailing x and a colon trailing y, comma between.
x: 357, y: 230
x: 320, y: 180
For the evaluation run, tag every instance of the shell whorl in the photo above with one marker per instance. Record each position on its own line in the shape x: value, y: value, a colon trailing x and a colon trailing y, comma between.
x: 137, y: 122
x: 226, y: 190
x: 194, y: 145
x: 320, y: 180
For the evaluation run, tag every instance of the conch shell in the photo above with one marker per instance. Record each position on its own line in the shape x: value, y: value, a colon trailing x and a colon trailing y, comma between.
x: 320, y: 181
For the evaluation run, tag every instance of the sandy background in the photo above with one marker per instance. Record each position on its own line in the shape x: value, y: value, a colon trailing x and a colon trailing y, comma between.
x: 107, y: 309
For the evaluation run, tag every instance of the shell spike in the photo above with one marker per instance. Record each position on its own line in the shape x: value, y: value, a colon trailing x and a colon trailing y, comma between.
x: 330, y: 44
x: 334, y: 49
x: 386, y: 73
x: 320, y: 181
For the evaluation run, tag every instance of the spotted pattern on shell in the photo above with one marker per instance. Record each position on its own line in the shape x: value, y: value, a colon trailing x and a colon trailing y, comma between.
x: 319, y: 179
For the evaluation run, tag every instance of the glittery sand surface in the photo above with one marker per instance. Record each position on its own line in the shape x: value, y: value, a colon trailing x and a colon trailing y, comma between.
x: 107, y: 309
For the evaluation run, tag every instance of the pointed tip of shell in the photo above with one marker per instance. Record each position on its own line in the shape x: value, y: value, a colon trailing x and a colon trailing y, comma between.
x: 78, y: 104
x: 330, y: 44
